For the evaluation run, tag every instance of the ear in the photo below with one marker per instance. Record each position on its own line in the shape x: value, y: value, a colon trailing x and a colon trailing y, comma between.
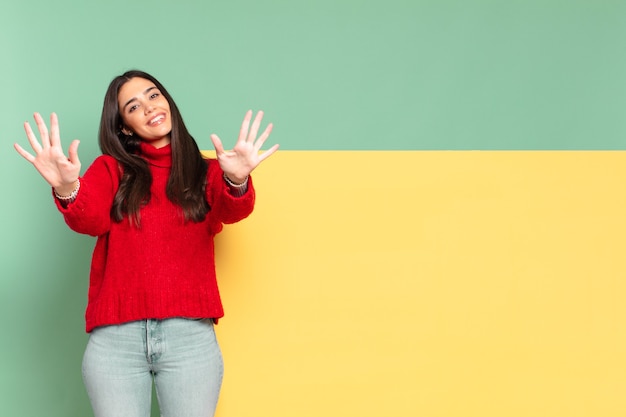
x: 127, y: 131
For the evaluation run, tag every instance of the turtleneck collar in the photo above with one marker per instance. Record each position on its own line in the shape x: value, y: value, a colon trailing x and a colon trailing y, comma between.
x: 159, y: 157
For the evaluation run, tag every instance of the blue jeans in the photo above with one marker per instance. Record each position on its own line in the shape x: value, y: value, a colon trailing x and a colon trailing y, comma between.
x: 181, y: 356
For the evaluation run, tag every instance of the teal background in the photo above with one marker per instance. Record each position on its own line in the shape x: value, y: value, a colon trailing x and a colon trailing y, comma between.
x: 331, y: 75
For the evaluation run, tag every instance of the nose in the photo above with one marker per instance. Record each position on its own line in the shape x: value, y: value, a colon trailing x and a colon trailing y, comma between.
x: 148, y: 108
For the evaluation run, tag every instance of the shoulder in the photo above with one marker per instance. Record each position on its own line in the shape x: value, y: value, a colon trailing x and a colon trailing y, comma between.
x: 104, y: 159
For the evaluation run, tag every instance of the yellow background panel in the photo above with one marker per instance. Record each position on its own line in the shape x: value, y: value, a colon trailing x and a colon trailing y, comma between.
x: 428, y: 284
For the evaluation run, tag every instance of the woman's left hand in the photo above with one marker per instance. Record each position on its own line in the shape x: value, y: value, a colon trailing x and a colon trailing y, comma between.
x: 239, y: 162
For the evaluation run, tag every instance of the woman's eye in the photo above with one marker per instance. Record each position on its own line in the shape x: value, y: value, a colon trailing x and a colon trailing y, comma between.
x: 155, y: 95
x: 132, y: 108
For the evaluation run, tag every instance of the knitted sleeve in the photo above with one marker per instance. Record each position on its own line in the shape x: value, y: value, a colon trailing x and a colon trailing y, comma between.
x: 225, y: 207
x: 90, y: 213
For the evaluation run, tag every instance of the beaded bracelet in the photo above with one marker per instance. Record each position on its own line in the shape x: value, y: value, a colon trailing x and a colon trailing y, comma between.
x: 232, y: 184
x: 70, y: 197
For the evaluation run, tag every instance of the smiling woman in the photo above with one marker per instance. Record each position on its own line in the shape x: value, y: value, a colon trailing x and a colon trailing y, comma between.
x: 155, y: 204
x: 145, y: 112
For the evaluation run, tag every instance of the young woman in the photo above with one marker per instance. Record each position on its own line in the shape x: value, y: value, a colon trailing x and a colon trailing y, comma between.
x: 155, y: 205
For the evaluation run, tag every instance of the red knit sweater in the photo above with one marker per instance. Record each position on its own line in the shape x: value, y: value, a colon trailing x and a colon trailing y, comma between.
x: 166, y: 266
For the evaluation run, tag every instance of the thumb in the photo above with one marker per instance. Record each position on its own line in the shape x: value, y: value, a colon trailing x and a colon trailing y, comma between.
x: 73, y: 152
x: 217, y: 144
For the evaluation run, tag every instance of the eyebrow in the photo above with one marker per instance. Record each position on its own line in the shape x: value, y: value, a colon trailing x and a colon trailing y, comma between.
x: 135, y: 98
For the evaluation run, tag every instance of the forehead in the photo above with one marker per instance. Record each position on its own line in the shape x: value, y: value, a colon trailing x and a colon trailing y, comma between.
x: 134, y: 87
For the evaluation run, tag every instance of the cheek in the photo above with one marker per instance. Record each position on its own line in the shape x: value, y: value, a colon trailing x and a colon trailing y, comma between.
x: 164, y: 103
x: 130, y: 121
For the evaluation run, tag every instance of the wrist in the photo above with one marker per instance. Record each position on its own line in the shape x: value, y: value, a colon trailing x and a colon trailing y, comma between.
x: 236, y: 189
x: 67, y: 191
x: 235, y: 182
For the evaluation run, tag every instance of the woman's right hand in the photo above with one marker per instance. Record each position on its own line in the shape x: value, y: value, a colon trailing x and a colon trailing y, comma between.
x: 60, y: 171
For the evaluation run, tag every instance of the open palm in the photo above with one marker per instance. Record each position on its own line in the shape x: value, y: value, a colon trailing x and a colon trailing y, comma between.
x: 240, y: 161
x: 56, y: 168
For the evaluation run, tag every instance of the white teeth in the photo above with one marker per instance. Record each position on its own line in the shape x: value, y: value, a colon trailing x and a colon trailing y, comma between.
x: 157, y: 119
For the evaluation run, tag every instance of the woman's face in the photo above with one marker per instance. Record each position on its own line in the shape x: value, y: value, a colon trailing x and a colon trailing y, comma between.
x: 145, y: 111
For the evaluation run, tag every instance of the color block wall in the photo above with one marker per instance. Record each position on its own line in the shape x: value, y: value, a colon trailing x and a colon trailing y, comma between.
x: 441, y: 233
x: 433, y: 283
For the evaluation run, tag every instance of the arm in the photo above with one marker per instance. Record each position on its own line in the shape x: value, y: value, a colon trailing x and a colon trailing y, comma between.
x: 84, y: 202
x: 229, y: 187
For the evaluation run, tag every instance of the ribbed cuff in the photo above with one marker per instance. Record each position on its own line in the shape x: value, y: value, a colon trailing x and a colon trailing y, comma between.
x: 236, y: 190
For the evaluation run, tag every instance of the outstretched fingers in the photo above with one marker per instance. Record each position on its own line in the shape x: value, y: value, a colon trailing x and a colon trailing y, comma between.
x: 43, y: 131
x: 32, y: 139
x: 24, y: 153
x: 247, y: 151
x: 268, y: 153
x: 261, y: 140
x: 255, y: 127
x: 55, y: 136
x: 245, y: 126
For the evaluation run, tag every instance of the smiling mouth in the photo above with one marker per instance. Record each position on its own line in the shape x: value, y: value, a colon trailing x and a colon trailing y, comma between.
x: 157, y: 120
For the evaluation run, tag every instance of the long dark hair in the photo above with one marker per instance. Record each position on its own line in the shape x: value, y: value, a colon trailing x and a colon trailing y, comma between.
x: 187, y: 180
